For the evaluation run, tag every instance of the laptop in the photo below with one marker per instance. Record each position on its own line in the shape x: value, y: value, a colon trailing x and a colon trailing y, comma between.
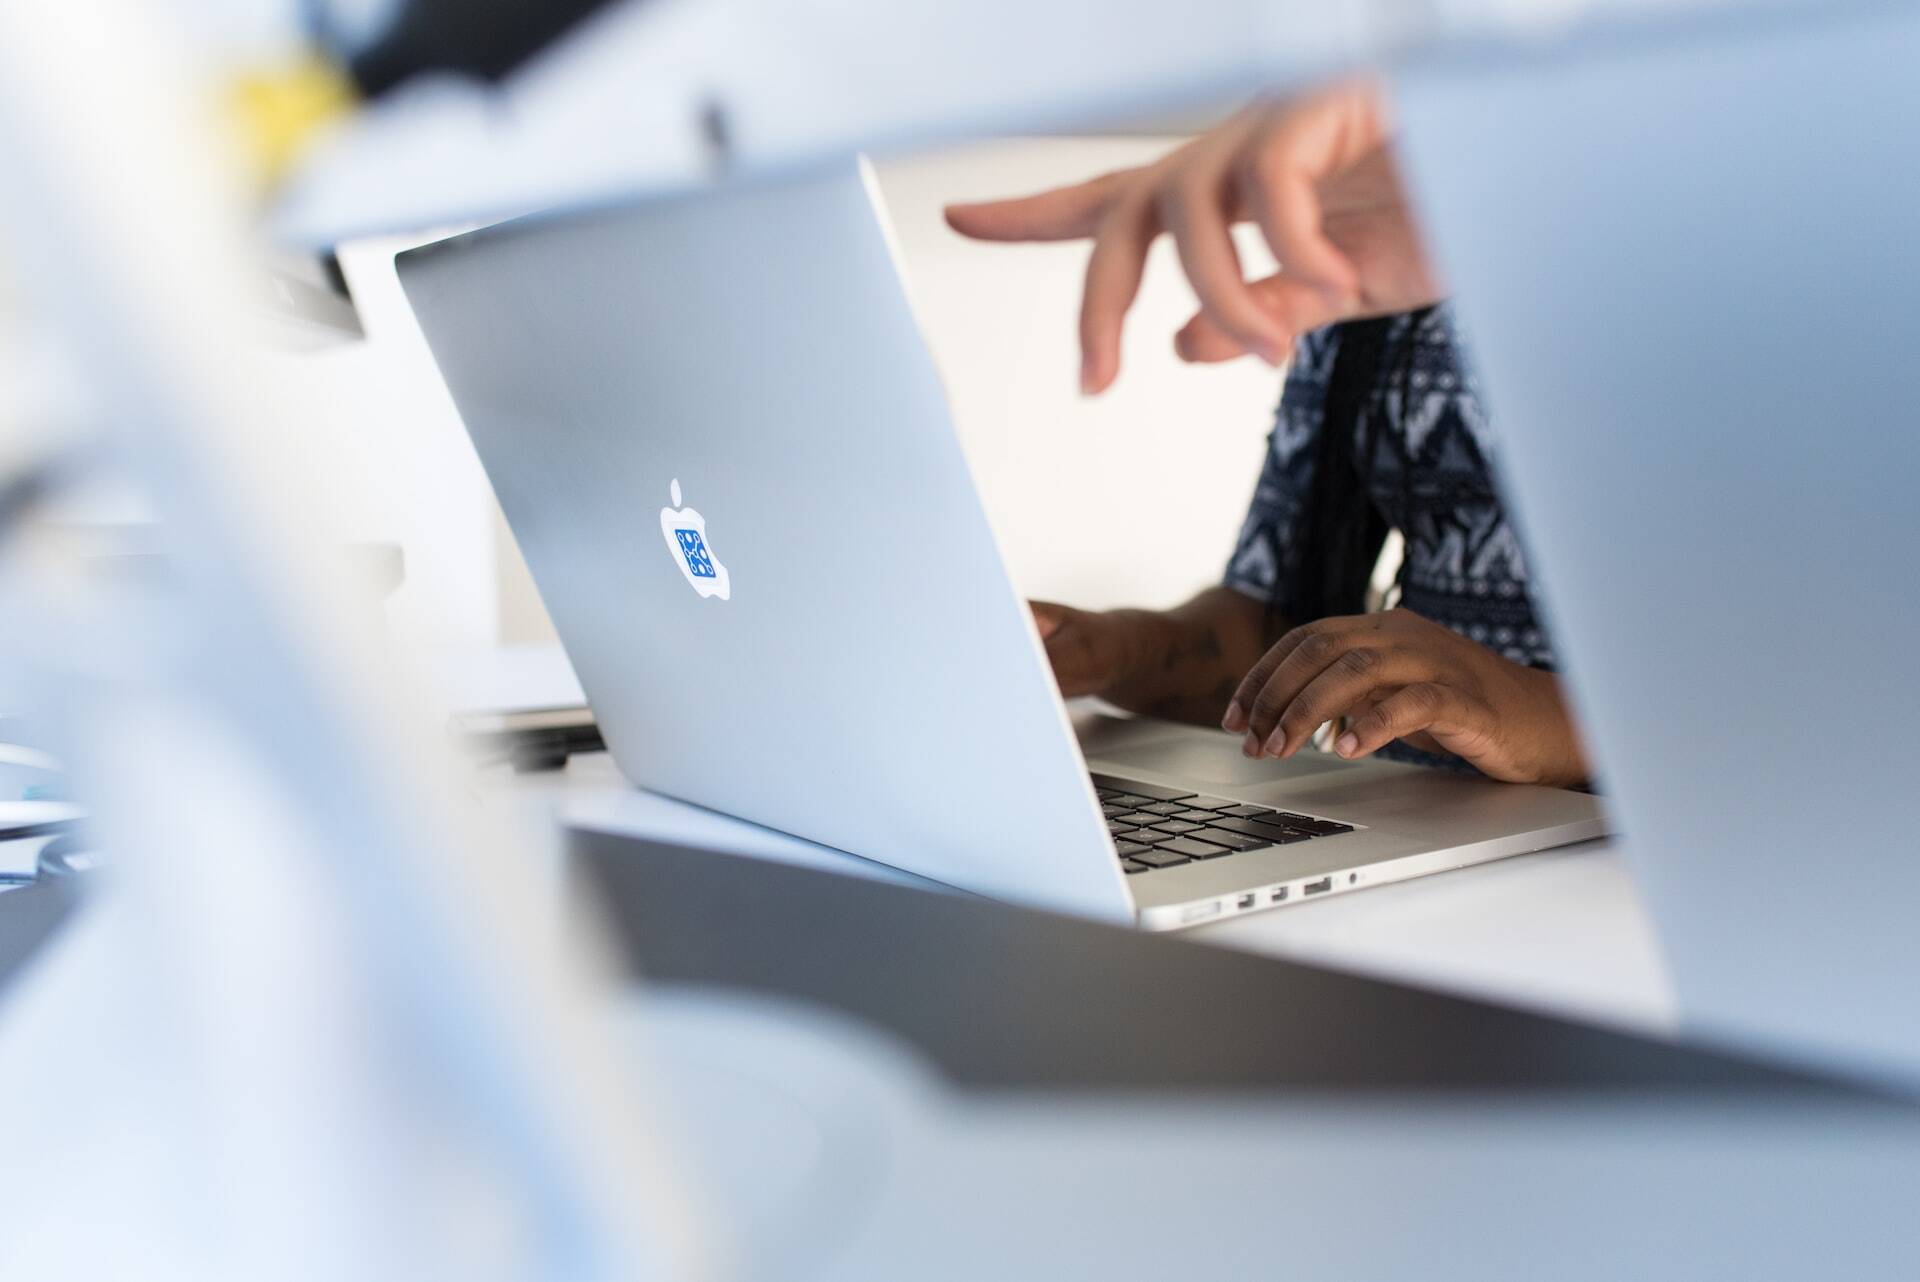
x: 1718, y: 475
x: 723, y: 446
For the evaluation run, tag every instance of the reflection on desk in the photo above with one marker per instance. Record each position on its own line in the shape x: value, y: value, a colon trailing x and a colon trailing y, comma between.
x: 1561, y: 932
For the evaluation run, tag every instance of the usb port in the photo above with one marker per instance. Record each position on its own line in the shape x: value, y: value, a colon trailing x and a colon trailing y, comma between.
x: 1279, y: 896
x: 1246, y: 901
x: 1317, y: 887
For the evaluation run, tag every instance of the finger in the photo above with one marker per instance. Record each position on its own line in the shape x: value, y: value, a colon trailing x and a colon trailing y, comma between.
x: 1235, y: 720
x: 1285, y: 202
x: 1279, y: 176
x: 1323, y: 645
x: 1114, y: 269
x: 1295, y: 308
x: 1241, y: 705
x: 1356, y: 679
x: 1047, y: 617
x: 1065, y: 213
x: 1422, y: 706
x: 1193, y: 209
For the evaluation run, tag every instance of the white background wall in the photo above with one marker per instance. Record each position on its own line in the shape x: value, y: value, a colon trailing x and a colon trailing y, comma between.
x: 1130, y: 498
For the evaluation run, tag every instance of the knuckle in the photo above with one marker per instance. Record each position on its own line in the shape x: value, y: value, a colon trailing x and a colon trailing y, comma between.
x: 1424, y: 698
x: 1169, y: 203
x: 1185, y: 201
x: 1264, y: 168
x: 1268, y: 699
x: 1268, y: 705
x: 1362, y: 662
x: 1247, y: 695
x: 1300, y: 720
x: 1115, y: 221
x: 1369, y: 726
x: 1190, y: 177
x: 1253, y: 172
x: 1320, y: 649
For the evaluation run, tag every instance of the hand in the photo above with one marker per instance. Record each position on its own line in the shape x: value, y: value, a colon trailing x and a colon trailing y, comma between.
x: 1399, y: 676
x: 1087, y: 650
x: 1316, y: 173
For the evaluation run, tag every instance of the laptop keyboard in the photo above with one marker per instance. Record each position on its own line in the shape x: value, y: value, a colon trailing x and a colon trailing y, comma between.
x: 1159, y: 827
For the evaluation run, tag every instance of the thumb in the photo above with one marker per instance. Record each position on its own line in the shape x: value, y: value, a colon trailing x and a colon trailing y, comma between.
x: 1297, y: 306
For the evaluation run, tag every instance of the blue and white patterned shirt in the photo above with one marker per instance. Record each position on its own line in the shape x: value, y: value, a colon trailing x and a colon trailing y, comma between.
x: 1431, y: 478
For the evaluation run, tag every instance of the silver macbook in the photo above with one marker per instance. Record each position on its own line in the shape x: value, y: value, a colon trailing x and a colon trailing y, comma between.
x: 725, y: 451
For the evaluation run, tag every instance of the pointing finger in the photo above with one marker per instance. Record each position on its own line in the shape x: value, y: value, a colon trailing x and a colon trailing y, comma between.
x: 1064, y: 213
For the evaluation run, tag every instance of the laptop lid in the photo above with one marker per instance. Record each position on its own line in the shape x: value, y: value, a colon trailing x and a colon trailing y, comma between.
x: 724, y: 449
x: 1689, y: 274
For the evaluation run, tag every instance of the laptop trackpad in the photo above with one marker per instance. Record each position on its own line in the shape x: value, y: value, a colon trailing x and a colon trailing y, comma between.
x: 1217, y: 759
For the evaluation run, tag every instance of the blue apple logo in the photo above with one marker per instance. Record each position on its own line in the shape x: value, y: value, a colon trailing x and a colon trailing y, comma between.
x: 686, y: 533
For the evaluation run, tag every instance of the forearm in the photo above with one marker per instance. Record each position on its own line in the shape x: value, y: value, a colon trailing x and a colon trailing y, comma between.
x: 1184, y: 664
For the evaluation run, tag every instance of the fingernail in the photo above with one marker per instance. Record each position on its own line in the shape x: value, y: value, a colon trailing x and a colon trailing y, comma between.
x: 1088, y: 382
x: 1252, y: 745
x: 1347, y: 744
x: 1277, y: 743
x: 1274, y: 354
x: 1235, y: 720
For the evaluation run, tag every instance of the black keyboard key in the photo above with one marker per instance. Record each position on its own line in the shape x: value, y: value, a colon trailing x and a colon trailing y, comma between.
x: 1109, y: 794
x: 1127, y: 849
x: 1111, y: 811
x: 1163, y: 859
x: 1190, y: 848
x: 1204, y: 802
x: 1141, y: 817
x: 1248, y: 812
x: 1174, y: 827
x: 1153, y: 791
x: 1233, y: 840
x: 1272, y: 833
x: 1132, y: 866
x: 1167, y: 808
x: 1197, y: 816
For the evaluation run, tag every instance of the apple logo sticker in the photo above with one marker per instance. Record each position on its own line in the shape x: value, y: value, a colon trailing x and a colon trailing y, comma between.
x: 686, y: 533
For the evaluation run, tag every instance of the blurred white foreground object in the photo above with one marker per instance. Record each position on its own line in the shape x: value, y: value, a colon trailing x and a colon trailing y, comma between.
x: 309, y: 1033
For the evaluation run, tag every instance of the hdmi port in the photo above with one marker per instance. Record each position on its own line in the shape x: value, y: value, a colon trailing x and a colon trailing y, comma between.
x: 1317, y: 887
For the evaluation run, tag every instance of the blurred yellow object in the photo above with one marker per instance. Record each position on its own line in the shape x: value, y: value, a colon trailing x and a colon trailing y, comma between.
x: 280, y: 109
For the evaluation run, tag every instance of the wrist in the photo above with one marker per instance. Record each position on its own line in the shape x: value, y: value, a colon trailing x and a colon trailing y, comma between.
x: 1136, y: 642
x: 1560, y: 761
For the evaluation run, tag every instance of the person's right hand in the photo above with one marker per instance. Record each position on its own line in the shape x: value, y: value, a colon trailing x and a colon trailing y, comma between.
x: 1316, y: 173
x: 1087, y: 650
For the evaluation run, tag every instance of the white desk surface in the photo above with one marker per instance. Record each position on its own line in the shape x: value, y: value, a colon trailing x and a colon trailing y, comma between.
x: 1561, y: 931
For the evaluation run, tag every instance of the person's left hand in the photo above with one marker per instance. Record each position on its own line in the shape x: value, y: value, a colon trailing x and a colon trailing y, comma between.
x: 1397, y: 675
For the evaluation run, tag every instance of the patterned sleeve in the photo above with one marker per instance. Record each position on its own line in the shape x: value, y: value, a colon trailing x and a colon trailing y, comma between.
x: 1266, y: 560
